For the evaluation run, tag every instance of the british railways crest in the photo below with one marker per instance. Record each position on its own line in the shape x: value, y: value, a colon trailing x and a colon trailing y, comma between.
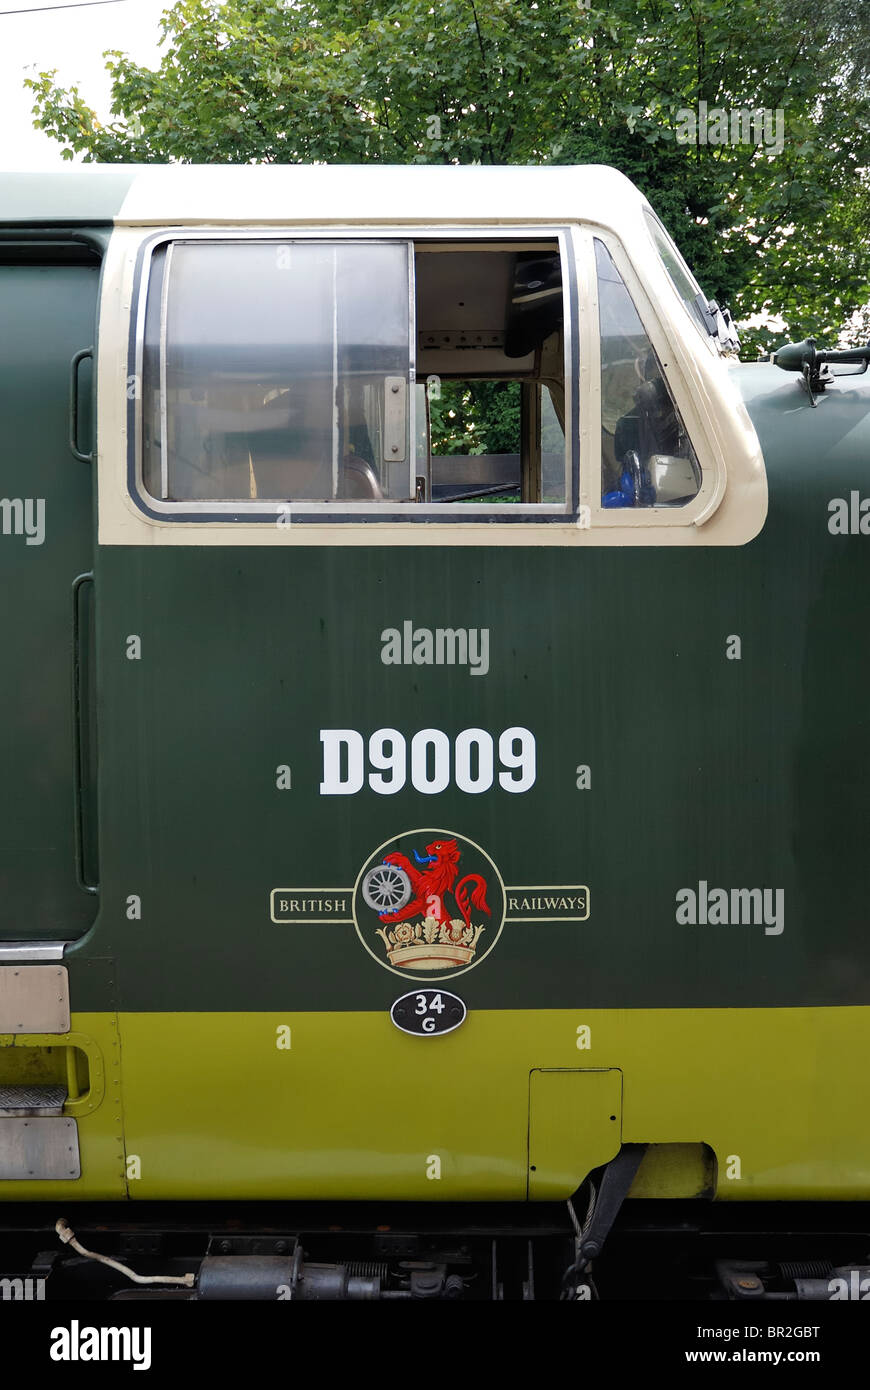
x: 428, y: 904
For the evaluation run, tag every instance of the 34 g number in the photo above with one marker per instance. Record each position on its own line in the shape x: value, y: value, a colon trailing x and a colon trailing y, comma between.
x: 427, y: 1012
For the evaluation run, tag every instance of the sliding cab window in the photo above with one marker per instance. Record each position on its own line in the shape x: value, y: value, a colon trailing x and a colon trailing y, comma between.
x: 387, y: 377
x: 647, y: 458
x: 277, y: 372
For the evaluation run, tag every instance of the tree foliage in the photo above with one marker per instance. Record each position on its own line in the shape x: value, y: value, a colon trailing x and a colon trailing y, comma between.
x: 538, y: 81
x: 476, y: 417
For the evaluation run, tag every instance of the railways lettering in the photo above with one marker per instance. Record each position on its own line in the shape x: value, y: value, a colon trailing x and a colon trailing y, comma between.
x: 540, y: 905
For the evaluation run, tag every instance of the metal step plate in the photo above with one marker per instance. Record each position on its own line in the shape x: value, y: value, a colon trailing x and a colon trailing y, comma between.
x: 34, y: 998
x: 31, y: 1100
x: 39, y: 1148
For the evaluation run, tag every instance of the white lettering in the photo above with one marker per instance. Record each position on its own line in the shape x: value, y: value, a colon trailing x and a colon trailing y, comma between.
x: 474, y: 744
x: 432, y: 757
x: 339, y: 744
x: 76, y: 1343
x: 392, y: 761
x: 522, y: 761
x: 440, y: 745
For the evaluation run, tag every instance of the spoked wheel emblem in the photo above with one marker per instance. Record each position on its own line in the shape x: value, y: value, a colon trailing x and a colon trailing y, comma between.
x: 386, y: 888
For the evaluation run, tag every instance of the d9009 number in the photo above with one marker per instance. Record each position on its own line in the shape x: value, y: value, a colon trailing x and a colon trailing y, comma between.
x: 469, y: 761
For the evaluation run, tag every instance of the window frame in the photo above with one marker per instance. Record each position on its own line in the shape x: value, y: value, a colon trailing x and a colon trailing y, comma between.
x: 654, y: 223
x: 666, y: 347
x: 343, y: 511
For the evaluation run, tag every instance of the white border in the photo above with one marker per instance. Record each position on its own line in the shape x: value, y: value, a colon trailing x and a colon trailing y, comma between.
x: 527, y: 888
x: 703, y: 389
x: 311, y: 921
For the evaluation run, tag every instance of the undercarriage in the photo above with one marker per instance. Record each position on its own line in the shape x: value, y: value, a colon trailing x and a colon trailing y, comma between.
x: 653, y: 1251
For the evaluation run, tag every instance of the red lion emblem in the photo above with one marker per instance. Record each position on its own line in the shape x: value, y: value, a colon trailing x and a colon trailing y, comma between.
x: 431, y: 884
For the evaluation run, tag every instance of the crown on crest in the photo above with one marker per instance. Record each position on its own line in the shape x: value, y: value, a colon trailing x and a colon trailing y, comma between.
x: 430, y: 944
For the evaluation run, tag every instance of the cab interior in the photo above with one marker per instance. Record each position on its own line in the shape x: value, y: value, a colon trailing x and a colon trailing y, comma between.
x: 490, y: 313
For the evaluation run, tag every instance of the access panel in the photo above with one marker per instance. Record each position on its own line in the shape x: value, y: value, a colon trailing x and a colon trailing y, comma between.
x: 575, y: 1124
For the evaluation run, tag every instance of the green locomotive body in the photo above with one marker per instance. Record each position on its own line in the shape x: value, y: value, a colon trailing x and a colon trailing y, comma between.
x: 381, y: 824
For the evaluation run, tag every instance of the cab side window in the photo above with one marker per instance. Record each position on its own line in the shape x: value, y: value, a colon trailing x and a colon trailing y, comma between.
x: 647, y: 459
x: 399, y: 375
x: 277, y: 371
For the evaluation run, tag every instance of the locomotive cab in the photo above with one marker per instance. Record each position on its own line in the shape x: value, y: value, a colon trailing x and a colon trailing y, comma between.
x: 418, y: 612
x: 553, y: 376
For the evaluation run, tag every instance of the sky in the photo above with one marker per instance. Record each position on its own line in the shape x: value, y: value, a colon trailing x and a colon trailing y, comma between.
x: 72, y: 41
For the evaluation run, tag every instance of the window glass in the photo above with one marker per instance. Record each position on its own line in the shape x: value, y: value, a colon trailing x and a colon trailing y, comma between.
x: 552, y: 445
x: 684, y: 281
x: 647, y: 459
x: 278, y: 372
